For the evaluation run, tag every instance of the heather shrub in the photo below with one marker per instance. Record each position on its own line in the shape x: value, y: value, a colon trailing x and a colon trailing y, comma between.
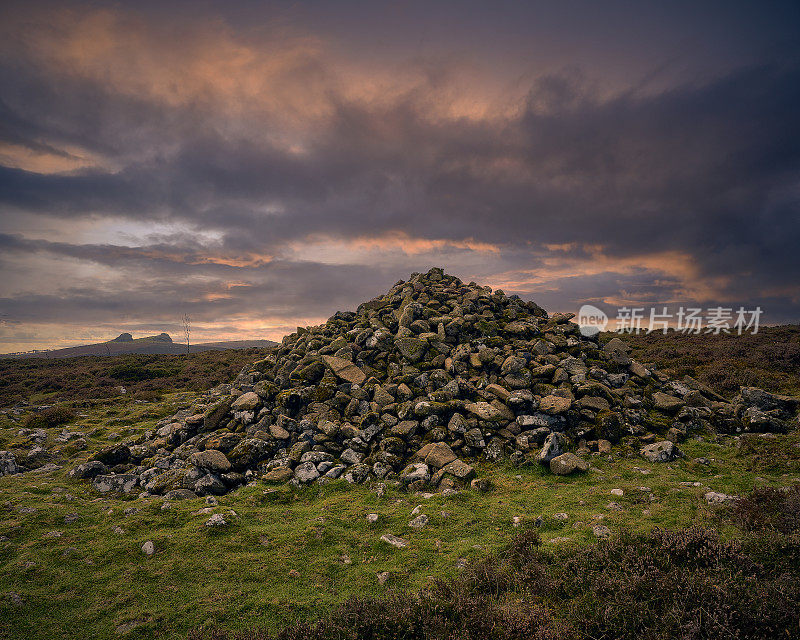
x: 47, y: 418
x: 766, y: 508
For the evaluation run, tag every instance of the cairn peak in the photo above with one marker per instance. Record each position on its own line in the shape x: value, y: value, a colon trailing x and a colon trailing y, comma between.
x: 416, y: 385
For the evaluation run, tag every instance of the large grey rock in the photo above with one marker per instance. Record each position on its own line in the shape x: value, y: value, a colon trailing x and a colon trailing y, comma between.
x: 357, y: 473
x: 209, y: 485
x: 87, y: 470
x: 417, y: 472
x: 351, y: 457
x: 411, y: 348
x: 395, y: 541
x: 215, y: 414
x: 474, y: 438
x: 345, y: 370
x: 116, y: 483
x: 754, y: 397
x: 554, y: 445
x: 568, y: 463
x: 246, y: 402
x: 306, y: 472
x: 113, y: 455
x: 555, y: 405
x: 420, y: 521
x: 436, y: 455
x: 663, y: 451
x: 8, y: 464
x: 667, y: 403
x: 494, y: 411
x: 210, y: 459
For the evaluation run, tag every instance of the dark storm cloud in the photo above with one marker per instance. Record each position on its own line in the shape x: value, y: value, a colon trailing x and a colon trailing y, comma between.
x: 697, y: 168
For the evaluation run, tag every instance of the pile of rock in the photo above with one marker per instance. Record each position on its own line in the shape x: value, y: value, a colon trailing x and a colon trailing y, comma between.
x: 413, y: 386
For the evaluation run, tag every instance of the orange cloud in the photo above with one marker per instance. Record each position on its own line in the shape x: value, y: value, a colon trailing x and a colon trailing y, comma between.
x: 48, y: 161
x: 273, y: 72
x: 339, y: 249
x: 593, y: 260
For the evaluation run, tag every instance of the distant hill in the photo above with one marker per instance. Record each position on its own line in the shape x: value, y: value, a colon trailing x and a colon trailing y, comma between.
x: 125, y: 343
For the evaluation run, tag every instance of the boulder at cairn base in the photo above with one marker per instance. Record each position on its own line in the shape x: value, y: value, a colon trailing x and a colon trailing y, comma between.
x: 664, y: 451
x: 568, y: 463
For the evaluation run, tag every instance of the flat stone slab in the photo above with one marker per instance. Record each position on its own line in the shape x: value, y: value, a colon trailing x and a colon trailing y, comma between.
x: 345, y: 369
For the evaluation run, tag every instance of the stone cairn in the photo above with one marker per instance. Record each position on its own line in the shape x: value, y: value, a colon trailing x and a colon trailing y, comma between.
x: 414, y: 386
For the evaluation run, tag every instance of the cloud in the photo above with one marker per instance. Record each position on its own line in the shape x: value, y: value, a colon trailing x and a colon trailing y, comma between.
x: 301, y: 180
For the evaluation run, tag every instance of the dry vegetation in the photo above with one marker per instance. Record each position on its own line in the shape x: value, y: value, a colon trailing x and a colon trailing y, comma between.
x: 769, y: 359
x: 38, y: 380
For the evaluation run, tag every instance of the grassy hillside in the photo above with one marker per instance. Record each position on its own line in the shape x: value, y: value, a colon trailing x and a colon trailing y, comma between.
x: 71, y: 560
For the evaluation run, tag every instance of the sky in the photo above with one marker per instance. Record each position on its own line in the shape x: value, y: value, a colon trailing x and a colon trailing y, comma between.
x: 261, y: 165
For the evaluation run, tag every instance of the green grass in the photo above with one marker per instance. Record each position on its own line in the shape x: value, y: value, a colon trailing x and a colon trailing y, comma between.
x: 97, y: 580
x: 282, y: 559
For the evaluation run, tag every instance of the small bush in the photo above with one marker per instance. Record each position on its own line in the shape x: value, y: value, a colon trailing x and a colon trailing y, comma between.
x: 769, y: 509
x: 51, y: 417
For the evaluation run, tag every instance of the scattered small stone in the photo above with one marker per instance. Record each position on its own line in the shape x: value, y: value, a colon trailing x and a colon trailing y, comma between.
x: 71, y: 517
x: 395, y: 541
x: 53, y: 534
x: 420, y: 521
x: 372, y: 518
x: 713, y: 497
x: 561, y: 516
x: 383, y: 576
x: 15, y: 599
x: 601, y: 531
x: 617, y: 492
x: 148, y: 548
x: 217, y: 520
